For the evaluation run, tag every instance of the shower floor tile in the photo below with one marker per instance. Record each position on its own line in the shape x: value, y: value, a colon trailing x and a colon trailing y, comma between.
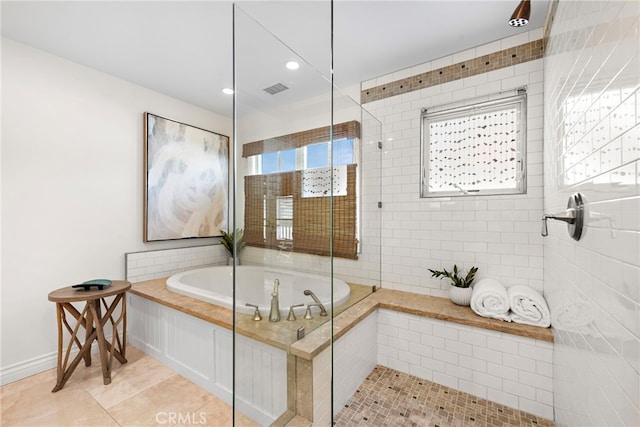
x: 392, y: 398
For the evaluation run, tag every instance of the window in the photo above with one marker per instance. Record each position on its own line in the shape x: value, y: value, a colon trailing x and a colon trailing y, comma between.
x: 307, y: 157
x: 473, y: 150
x: 284, y: 218
x: 286, y: 189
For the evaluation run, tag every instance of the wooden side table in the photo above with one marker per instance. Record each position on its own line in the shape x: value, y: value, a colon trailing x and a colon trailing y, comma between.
x: 93, y: 321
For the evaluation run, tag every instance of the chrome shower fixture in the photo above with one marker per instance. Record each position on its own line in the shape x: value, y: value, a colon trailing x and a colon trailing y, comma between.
x: 520, y: 16
x: 573, y: 216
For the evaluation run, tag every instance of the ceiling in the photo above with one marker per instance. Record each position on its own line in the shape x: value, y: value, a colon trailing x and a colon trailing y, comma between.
x: 185, y: 49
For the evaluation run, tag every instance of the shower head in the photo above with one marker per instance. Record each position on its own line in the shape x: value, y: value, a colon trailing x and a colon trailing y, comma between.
x: 520, y: 16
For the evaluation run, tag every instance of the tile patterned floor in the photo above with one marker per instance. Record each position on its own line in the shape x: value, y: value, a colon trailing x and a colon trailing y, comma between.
x: 145, y: 392
x: 391, y: 398
x: 142, y: 392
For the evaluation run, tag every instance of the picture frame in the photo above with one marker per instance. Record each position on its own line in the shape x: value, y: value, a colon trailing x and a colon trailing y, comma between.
x: 186, y: 180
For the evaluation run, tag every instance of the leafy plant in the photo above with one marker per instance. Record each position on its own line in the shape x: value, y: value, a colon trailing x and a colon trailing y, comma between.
x: 455, y: 276
x: 229, y: 240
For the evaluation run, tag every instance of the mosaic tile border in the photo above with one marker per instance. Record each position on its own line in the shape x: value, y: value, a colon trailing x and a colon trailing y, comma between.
x: 483, y: 64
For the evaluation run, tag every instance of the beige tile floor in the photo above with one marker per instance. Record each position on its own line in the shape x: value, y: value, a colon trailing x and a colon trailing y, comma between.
x: 142, y: 392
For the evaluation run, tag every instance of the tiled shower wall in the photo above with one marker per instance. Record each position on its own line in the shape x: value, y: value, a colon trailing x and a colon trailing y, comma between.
x: 499, y: 234
x: 592, y: 146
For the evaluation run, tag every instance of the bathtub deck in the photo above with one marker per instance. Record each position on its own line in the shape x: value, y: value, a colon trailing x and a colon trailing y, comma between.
x: 277, y: 334
x: 282, y: 334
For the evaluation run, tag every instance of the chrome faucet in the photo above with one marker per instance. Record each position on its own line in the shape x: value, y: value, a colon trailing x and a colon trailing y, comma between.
x: 274, y: 314
x: 323, y: 311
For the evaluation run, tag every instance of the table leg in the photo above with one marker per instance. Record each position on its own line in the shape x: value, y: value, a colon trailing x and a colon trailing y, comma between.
x: 116, y: 347
x: 60, y: 369
x: 88, y: 331
x: 124, y: 326
x: 65, y: 372
x: 102, y: 345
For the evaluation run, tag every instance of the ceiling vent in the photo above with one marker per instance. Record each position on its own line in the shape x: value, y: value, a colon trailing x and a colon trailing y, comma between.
x: 276, y: 88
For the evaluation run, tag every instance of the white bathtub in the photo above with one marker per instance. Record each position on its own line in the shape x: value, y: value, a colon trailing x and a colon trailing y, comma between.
x: 254, y: 286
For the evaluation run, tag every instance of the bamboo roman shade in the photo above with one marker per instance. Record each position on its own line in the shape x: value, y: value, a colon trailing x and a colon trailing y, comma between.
x: 306, y: 226
x: 300, y: 139
x: 311, y: 215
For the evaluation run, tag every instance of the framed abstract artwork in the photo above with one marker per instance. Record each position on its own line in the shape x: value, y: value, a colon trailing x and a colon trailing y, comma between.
x: 186, y: 181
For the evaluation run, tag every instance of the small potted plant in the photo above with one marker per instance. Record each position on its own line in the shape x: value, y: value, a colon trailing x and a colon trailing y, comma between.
x: 231, y: 240
x: 460, y: 291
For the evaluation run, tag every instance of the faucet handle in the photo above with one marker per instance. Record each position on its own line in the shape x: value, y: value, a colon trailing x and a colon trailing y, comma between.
x: 292, y: 314
x: 256, y: 315
x: 307, y: 314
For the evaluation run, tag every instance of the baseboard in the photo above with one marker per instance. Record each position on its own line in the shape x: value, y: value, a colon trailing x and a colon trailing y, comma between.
x: 28, y: 368
x: 22, y: 370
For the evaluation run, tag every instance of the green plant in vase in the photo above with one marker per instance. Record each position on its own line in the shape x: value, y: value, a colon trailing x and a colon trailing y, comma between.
x: 231, y: 241
x: 460, y: 291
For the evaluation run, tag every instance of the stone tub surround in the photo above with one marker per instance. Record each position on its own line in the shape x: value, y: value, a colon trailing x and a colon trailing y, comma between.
x: 320, y: 338
x: 280, y: 335
x: 429, y: 323
x: 419, y: 305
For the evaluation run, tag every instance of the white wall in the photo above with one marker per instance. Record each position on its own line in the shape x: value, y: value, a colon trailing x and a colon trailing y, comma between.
x: 72, y: 188
x: 592, y: 146
x: 498, y: 234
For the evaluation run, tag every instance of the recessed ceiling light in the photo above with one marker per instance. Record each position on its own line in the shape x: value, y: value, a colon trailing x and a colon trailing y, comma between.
x: 227, y: 91
x: 292, y: 65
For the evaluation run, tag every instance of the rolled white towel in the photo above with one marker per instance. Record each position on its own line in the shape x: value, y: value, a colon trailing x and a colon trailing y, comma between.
x: 490, y: 299
x: 570, y: 312
x: 528, y: 306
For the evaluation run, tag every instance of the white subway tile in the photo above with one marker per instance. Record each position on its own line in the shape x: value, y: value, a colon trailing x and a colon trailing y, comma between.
x: 535, y: 380
x: 472, y: 388
x: 502, y: 397
x: 487, y: 380
x: 398, y: 365
x: 443, y: 331
x: 474, y: 337
x: 445, y: 356
x: 544, y: 368
x: 459, y: 372
x: 420, y: 372
x: 446, y: 380
x: 472, y: 363
x: 487, y: 354
x: 398, y: 343
x: 533, y: 407
x: 459, y: 347
x: 409, y: 357
x: 544, y: 354
x: 432, y: 364
x: 502, y: 371
x: 518, y: 389
x: 388, y: 330
x: 431, y: 341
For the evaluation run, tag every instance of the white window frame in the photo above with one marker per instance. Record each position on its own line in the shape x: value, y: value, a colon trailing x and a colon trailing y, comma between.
x: 449, y: 112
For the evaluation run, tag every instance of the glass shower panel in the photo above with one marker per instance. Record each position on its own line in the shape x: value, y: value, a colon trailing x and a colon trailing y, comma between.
x: 282, y: 127
x: 307, y: 196
x: 350, y: 360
